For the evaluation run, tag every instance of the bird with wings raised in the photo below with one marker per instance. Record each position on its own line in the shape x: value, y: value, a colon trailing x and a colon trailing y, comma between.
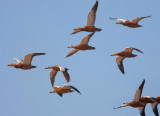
x: 26, y: 64
x: 136, y: 101
x: 140, y: 102
x: 155, y: 105
x: 90, y: 21
x: 53, y: 73
x: 127, y: 53
x: 132, y: 24
x: 65, y: 89
x: 82, y: 46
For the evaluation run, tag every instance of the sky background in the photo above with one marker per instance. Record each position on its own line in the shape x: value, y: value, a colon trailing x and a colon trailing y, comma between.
x: 45, y: 26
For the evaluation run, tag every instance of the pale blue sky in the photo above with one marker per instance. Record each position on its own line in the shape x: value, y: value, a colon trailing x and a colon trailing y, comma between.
x: 45, y: 26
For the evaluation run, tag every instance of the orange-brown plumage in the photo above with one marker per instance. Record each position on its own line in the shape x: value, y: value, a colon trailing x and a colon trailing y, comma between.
x: 82, y: 46
x: 26, y: 64
x: 54, y: 71
x: 127, y: 53
x: 90, y: 21
x: 65, y: 89
x: 132, y: 24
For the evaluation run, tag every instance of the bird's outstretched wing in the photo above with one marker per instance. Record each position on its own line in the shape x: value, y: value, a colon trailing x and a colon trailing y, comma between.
x: 119, y: 61
x: 136, y: 20
x: 66, y: 76
x: 154, y: 108
x: 138, y: 93
x: 75, y: 89
x: 130, y: 49
x: 60, y: 94
x: 92, y: 15
x: 86, y: 39
x: 124, y: 20
x: 18, y: 61
x: 142, y: 110
x: 72, y: 52
x: 52, y: 77
x: 28, y: 57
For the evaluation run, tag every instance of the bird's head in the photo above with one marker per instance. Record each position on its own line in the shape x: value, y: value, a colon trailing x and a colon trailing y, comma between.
x: 114, y: 54
x: 119, y: 22
x: 11, y: 64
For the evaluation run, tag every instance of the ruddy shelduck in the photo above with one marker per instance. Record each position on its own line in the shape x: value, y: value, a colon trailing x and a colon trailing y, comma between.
x: 82, y: 46
x: 145, y: 100
x: 66, y: 89
x: 90, y: 21
x: 132, y: 24
x: 127, y: 53
x: 53, y: 73
x: 138, y: 101
x: 26, y: 64
x: 154, y: 106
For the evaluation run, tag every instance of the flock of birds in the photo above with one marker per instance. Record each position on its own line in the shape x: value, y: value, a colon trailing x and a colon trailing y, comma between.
x: 138, y: 101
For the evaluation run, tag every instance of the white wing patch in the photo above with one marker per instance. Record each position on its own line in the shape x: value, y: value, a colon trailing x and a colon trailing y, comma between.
x: 62, y: 68
x: 19, y: 61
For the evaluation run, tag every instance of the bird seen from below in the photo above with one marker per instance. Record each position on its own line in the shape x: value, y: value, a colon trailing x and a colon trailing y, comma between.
x: 127, y: 53
x: 26, y: 64
x: 82, y: 46
x: 65, y: 89
x: 132, y: 24
x: 90, y: 21
x: 53, y: 73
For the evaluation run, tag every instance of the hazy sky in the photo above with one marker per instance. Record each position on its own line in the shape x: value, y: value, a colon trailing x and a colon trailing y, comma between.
x: 30, y: 26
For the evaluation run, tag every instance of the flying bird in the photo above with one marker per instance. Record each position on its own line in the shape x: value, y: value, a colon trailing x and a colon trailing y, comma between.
x: 26, y: 64
x: 90, y: 21
x: 127, y: 53
x: 53, y: 73
x: 145, y: 100
x: 136, y: 101
x: 66, y: 89
x: 82, y: 46
x: 132, y: 24
x: 154, y: 106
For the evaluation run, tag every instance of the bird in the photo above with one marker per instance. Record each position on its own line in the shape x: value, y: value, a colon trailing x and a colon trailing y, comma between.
x: 82, y: 46
x: 65, y: 89
x: 127, y: 53
x: 53, y: 73
x: 132, y: 24
x: 145, y: 100
x: 90, y: 21
x: 136, y: 101
x: 26, y: 64
x: 154, y: 106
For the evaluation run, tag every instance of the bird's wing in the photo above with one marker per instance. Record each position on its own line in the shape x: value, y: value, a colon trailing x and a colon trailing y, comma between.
x: 65, y: 73
x: 66, y: 87
x: 124, y: 20
x: 130, y: 49
x: 75, y: 89
x: 92, y: 15
x: 138, y: 93
x: 138, y: 50
x: 154, y: 108
x: 18, y: 61
x: 142, y: 110
x: 66, y: 76
x: 119, y: 61
x: 72, y: 52
x: 28, y: 57
x: 60, y: 94
x: 52, y: 77
x: 86, y: 39
x: 136, y: 20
